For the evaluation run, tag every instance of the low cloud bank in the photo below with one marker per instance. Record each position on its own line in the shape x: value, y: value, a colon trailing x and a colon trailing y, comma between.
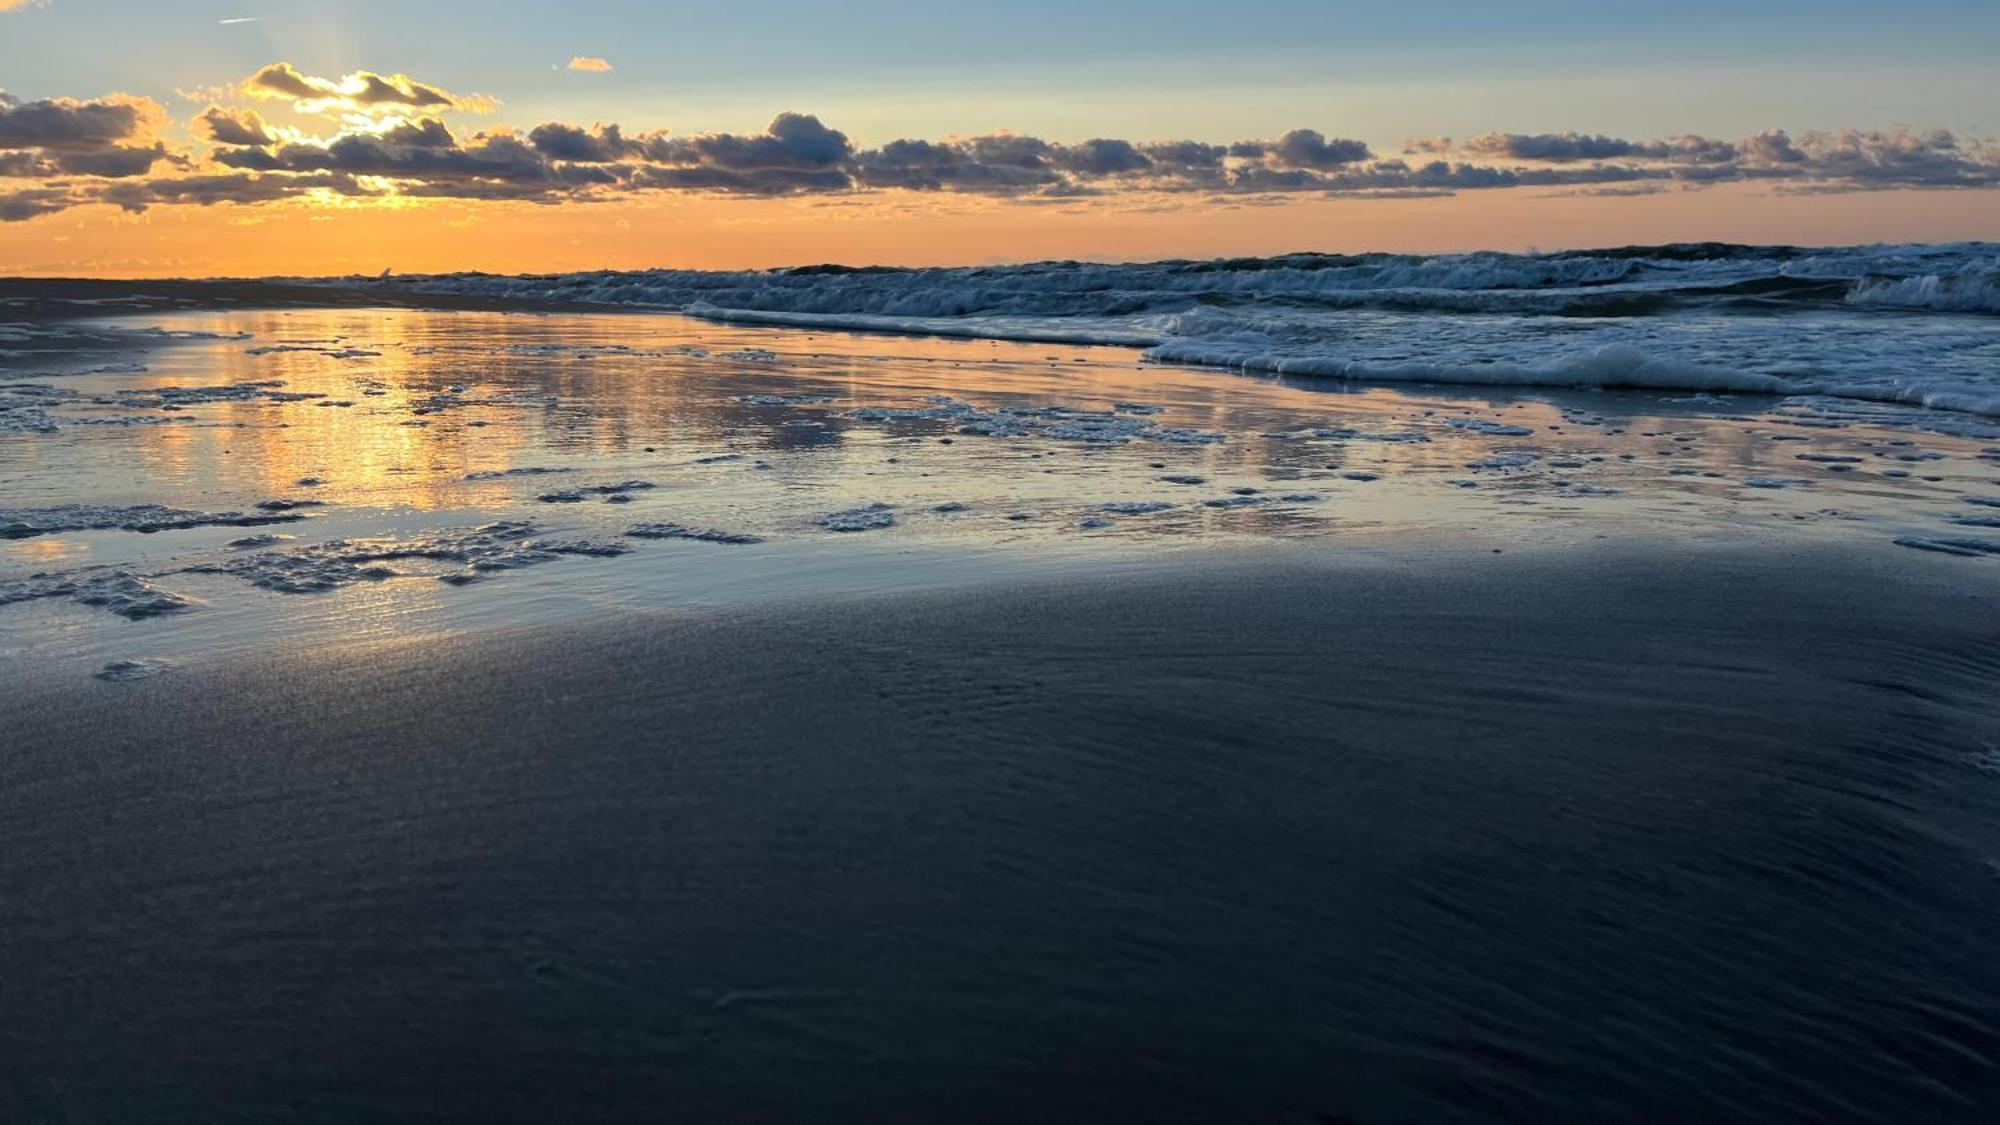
x: 393, y: 140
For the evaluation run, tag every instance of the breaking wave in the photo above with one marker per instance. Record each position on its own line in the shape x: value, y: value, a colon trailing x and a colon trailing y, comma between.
x: 1909, y: 324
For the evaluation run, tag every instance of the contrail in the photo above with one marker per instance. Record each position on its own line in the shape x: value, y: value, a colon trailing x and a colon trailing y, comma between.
x: 240, y: 19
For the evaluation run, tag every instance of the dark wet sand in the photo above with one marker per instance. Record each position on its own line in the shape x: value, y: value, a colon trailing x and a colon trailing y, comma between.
x: 1669, y: 835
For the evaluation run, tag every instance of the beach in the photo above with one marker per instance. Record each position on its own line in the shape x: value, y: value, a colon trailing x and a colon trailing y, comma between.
x: 522, y: 711
x: 1666, y: 832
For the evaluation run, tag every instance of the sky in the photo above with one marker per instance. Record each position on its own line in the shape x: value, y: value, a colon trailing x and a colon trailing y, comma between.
x: 295, y: 137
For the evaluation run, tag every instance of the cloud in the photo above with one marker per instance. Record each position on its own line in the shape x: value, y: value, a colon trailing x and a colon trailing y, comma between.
x: 1185, y: 155
x: 1773, y: 146
x: 793, y: 142
x: 1840, y: 160
x: 105, y: 137
x: 20, y: 5
x: 423, y: 150
x: 69, y: 125
x: 395, y: 142
x: 590, y: 64
x: 998, y: 164
x: 1568, y: 147
x: 362, y: 91
x: 235, y: 127
x: 25, y: 164
x: 1101, y: 157
x: 554, y: 161
x: 568, y: 142
x: 1549, y: 146
x: 208, y: 190
x: 32, y: 203
x: 1853, y: 159
x: 1303, y: 149
x: 114, y: 161
x: 283, y: 80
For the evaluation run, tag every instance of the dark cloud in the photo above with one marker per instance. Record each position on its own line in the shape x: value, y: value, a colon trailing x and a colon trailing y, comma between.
x: 420, y: 151
x: 1013, y: 164
x: 425, y: 132
x: 762, y: 181
x: 1692, y: 149
x: 281, y: 79
x: 69, y: 125
x: 1896, y: 158
x: 994, y: 165
x: 796, y: 154
x: 235, y: 127
x: 1102, y: 157
x: 361, y: 90
x: 1772, y: 146
x: 794, y: 142
x: 1562, y: 148
x: 117, y: 161
x: 62, y: 137
x: 399, y: 90
x: 208, y: 190
x: 104, y: 150
x: 25, y: 165
x: 1185, y: 155
x: 568, y: 142
x: 1557, y: 147
x: 1010, y: 150
x: 32, y: 203
x: 1304, y: 149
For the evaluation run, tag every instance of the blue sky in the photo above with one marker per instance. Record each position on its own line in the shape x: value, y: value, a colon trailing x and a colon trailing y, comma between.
x: 177, y: 136
x: 1169, y: 68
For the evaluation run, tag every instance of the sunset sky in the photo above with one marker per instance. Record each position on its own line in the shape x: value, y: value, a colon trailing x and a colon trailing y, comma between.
x: 146, y: 138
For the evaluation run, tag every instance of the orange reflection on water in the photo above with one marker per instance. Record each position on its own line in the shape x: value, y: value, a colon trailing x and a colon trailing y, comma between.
x: 406, y: 405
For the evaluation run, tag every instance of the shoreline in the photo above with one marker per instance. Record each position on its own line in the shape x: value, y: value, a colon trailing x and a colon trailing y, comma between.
x: 75, y: 298
x: 1615, y: 366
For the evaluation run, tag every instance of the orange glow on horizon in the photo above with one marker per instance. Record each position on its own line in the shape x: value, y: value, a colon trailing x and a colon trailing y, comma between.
x: 412, y: 236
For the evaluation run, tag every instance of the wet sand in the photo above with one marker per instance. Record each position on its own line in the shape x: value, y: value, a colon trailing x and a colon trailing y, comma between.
x: 1276, y: 835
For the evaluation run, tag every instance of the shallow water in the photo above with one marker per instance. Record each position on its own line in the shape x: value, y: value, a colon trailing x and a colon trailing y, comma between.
x: 365, y: 448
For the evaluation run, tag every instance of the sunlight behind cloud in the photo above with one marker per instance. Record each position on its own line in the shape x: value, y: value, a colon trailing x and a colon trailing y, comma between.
x: 362, y: 90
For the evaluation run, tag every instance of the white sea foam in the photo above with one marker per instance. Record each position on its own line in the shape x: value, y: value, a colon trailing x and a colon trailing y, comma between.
x: 22, y: 523
x: 122, y: 671
x: 1061, y: 423
x: 871, y: 518
x: 1973, y: 287
x: 526, y: 471
x: 1961, y: 546
x: 1911, y: 325
x: 682, y: 531
x: 1134, y: 507
x: 1503, y: 461
x: 121, y: 592
x: 319, y: 567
